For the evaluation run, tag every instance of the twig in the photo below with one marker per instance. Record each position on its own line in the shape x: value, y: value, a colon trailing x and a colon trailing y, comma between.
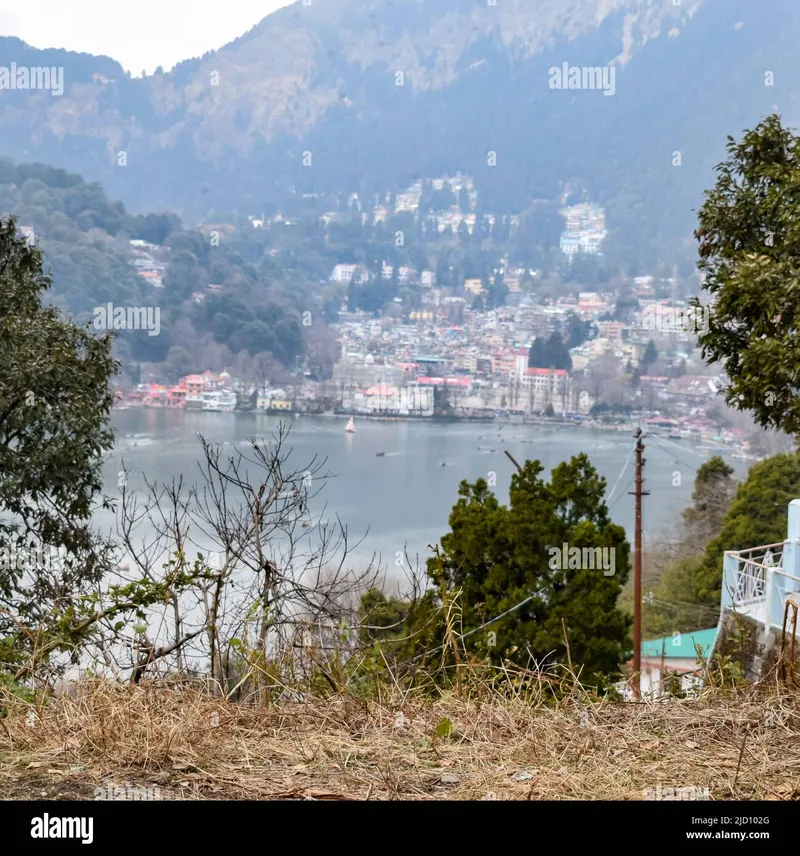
x: 738, y: 766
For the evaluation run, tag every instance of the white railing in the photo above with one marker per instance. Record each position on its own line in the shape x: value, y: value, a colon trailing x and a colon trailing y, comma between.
x: 750, y: 579
x: 786, y: 586
x: 751, y: 584
x: 773, y: 549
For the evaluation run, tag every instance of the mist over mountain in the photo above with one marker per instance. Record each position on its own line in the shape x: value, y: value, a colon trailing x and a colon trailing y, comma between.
x: 351, y: 95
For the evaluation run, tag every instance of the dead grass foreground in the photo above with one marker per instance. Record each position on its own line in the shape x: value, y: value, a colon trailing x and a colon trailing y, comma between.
x: 163, y: 743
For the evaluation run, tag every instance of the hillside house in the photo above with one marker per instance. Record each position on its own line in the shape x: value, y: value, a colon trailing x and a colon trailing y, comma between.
x: 156, y: 396
x: 343, y: 273
x: 674, y: 658
x: 473, y: 286
x: 759, y: 619
x: 428, y: 279
x: 406, y: 275
x: 219, y: 400
x: 690, y: 389
x: 762, y: 583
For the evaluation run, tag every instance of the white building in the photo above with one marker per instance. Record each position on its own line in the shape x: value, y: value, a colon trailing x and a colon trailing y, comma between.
x: 219, y: 401
x: 539, y: 388
x: 406, y: 275
x: 428, y: 279
x: 389, y: 400
x: 349, y: 273
x: 585, y: 229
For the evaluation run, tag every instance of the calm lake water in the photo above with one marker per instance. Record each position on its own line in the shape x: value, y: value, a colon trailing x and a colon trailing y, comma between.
x: 403, y: 500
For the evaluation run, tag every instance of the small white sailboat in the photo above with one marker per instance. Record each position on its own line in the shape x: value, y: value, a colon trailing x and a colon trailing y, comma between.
x: 350, y: 428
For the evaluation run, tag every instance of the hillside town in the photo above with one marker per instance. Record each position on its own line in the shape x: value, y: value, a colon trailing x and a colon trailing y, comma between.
x: 503, y: 346
x: 449, y: 361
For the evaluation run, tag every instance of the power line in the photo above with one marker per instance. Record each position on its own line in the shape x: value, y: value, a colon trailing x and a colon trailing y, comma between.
x: 630, y: 482
x: 622, y: 471
x: 485, y: 624
x: 669, y: 452
x: 682, y: 448
x: 682, y: 607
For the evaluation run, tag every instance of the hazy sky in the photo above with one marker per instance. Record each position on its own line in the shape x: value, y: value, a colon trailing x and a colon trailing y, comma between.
x: 142, y: 34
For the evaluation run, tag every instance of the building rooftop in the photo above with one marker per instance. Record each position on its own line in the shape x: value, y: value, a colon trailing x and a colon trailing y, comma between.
x: 682, y: 645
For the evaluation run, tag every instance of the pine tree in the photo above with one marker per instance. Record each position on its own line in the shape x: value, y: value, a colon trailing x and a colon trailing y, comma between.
x: 496, y: 556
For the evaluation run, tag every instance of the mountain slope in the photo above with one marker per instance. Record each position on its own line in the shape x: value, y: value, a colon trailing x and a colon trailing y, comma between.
x: 308, y: 102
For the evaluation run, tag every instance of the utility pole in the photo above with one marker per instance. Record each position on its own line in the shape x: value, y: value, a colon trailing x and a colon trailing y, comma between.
x: 637, y: 568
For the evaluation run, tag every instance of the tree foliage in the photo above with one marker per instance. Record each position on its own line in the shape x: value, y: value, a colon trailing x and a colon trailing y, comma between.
x: 675, y: 602
x: 757, y: 516
x: 550, y: 353
x: 497, y: 556
x: 54, y: 407
x: 649, y: 357
x: 85, y: 237
x: 749, y: 237
x: 714, y: 488
x: 722, y: 517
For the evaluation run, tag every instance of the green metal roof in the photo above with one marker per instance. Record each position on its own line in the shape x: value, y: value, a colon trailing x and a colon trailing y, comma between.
x: 680, y: 645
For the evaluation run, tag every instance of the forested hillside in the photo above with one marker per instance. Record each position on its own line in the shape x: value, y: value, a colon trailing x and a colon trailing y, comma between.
x: 86, y: 241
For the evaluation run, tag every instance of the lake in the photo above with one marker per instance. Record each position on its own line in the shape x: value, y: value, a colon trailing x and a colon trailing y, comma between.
x: 402, y: 500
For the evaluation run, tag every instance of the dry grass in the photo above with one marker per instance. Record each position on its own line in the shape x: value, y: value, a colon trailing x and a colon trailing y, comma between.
x: 192, y: 746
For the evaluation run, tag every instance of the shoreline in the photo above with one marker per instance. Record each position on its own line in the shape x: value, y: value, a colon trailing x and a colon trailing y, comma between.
x: 709, y: 444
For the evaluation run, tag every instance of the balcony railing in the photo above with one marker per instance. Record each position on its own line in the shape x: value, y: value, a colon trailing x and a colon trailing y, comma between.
x: 748, y: 581
x: 757, y: 582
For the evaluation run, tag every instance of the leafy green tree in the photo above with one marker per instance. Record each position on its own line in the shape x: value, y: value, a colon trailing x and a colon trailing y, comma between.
x: 496, y: 556
x: 55, y: 403
x: 540, y: 227
x: 757, y: 516
x: 626, y: 306
x: 156, y: 228
x: 255, y: 336
x: 381, y: 617
x: 674, y: 603
x: 714, y: 489
x: 497, y: 293
x: 479, y: 303
x: 749, y: 237
x: 669, y: 607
